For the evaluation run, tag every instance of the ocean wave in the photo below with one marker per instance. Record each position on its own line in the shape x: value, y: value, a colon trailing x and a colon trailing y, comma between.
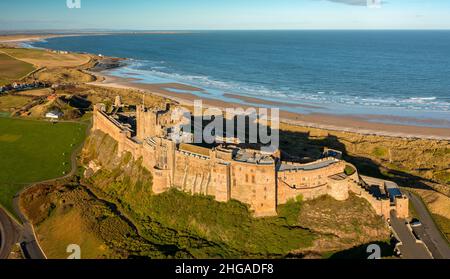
x: 148, y: 70
x: 422, y: 98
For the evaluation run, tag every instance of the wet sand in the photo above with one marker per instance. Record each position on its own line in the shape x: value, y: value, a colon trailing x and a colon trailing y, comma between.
x: 363, y: 124
x: 256, y: 101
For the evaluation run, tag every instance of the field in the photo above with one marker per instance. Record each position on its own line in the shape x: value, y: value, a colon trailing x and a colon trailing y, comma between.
x: 33, y: 151
x: 8, y: 103
x: 12, y: 69
x: 36, y: 92
x: 42, y: 58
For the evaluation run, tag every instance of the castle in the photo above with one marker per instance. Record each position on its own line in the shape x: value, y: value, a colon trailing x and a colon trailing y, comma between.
x: 230, y: 171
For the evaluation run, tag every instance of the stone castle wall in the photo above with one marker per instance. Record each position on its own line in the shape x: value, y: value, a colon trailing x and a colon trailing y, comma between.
x: 310, y: 184
x: 254, y: 185
x: 381, y: 206
x: 213, y: 171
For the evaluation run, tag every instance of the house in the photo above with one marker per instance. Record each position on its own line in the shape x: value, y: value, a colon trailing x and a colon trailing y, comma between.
x: 52, y: 97
x: 54, y: 114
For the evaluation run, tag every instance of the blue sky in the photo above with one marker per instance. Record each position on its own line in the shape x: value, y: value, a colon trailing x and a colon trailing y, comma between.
x: 224, y: 14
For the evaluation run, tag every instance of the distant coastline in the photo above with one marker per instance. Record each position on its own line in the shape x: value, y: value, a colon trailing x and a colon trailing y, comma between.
x: 361, y: 124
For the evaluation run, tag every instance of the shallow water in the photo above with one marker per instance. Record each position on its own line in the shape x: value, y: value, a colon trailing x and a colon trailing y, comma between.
x: 397, y: 73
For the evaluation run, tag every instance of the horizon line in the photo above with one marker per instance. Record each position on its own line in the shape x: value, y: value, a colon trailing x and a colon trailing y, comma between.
x: 199, y: 29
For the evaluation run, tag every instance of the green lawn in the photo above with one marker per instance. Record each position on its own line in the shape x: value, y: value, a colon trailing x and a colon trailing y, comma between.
x: 32, y: 151
x: 12, y: 69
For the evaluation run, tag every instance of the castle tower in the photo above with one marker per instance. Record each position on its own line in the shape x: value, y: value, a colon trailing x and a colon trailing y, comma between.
x: 338, y: 189
x: 118, y: 101
x: 165, y: 164
x: 98, y: 109
x: 146, y: 123
x: 161, y: 181
x: 402, y: 207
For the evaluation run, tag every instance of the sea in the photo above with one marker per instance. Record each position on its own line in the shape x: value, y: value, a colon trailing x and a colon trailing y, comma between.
x: 392, y: 76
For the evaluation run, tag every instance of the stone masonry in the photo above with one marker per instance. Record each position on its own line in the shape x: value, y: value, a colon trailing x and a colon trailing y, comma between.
x: 258, y: 179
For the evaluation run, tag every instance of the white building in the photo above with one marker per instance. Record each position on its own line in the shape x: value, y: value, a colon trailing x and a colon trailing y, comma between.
x: 54, y: 114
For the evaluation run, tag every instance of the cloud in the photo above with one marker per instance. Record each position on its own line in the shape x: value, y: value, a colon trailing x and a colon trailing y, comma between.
x: 351, y: 2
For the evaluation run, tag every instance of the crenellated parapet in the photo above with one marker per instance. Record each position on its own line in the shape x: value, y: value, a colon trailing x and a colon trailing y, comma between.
x: 258, y: 179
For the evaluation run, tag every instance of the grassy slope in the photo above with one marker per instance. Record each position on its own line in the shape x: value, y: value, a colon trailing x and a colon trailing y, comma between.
x: 33, y: 151
x: 10, y: 102
x: 67, y: 213
x: 12, y: 69
x: 344, y: 223
x: 229, y: 226
x: 444, y: 225
x: 121, y: 218
x: 63, y: 230
x: 175, y: 224
x: 44, y: 58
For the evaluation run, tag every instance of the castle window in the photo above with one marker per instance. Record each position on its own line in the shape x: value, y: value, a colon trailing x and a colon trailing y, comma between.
x: 246, y: 178
x: 253, y: 179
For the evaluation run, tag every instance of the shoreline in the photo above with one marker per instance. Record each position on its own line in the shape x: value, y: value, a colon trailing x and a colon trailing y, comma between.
x: 359, y: 124
x: 354, y: 124
x: 18, y: 38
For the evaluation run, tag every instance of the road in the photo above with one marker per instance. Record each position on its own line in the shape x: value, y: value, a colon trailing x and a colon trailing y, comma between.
x: 9, y: 234
x: 429, y: 233
x: 409, y: 248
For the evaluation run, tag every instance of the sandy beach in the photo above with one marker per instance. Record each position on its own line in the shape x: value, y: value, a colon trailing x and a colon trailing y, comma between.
x: 363, y: 124
x: 17, y: 39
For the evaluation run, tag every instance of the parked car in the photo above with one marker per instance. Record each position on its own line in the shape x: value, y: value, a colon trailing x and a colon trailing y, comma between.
x: 415, y: 223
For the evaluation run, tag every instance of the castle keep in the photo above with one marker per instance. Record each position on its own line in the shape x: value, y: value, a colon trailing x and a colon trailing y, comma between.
x: 230, y: 171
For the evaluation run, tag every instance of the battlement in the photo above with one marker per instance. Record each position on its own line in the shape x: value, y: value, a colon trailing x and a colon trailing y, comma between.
x: 259, y: 179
